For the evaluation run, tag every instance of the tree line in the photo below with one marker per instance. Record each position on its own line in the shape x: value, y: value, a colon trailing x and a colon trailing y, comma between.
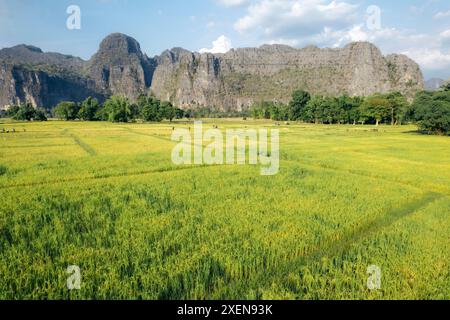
x: 118, y: 109
x: 429, y: 110
x: 26, y: 112
x: 380, y: 108
x: 115, y: 109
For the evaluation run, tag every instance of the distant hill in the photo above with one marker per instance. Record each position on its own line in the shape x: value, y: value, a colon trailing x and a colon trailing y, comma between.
x: 434, y: 84
x: 229, y: 81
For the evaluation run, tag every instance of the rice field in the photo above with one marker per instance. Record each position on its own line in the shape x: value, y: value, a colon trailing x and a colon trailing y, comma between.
x: 107, y: 198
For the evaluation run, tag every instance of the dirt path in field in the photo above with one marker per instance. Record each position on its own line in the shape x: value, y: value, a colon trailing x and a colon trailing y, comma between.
x: 89, y: 150
x: 83, y: 145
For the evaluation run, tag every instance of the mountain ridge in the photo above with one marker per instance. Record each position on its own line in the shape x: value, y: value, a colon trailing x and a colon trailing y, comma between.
x: 227, y: 81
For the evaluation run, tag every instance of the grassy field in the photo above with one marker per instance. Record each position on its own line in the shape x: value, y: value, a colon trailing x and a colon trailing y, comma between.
x: 106, y: 197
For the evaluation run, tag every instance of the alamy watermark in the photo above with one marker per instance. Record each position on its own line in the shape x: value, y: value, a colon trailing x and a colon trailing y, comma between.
x: 373, y: 18
x: 73, y: 22
x: 374, y: 279
x: 74, y: 279
x: 229, y: 149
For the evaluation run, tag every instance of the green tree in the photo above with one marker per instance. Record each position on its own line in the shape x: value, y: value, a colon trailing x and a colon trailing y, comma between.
x: 179, y: 113
x: 298, y: 104
x: 256, y: 112
x: 168, y: 111
x: 397, y: 107
x: 118, y: 109
x: 314, y: 110
x: 67, y: 110
x: 150, y: 108
x: 329, y: 110
x: 189, y: 114
x: 431, y: 111
x: 354, y: 113
x: 26, y: 112
x: 341, y: 106
x: 12, y: 111
x: 376, y: 107
x: 40, y: 115
x: 89, y: 109
x: 135, y: 111
x: 263, y: 109
x: 102, y: 113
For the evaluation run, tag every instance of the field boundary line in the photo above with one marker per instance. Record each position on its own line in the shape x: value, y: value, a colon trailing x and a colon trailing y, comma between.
x: 38, y: 146
x: 147, y: 134
x: 83, y: 145
x: 109, y: 176
x: 391, y: 216
x: 330, y: 248
x: 157, y: 137
x: 344, y: 171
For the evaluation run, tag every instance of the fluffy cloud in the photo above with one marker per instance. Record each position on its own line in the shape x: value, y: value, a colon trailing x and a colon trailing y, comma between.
x: 430, y: 59
x: 295, y: 18
x: 221, y: 45
x: 436, y: 55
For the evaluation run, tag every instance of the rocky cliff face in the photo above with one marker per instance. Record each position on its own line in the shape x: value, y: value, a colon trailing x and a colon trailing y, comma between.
x: 120, y: 67
x: 238, y: 78
x: 19, y: 84
x: 230, y: 81
x: 44, y: 79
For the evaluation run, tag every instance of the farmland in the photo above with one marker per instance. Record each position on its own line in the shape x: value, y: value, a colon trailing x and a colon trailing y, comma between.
x: 107, y: 198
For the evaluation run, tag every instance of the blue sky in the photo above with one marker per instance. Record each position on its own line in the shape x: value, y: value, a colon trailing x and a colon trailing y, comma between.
x: 420, y: 29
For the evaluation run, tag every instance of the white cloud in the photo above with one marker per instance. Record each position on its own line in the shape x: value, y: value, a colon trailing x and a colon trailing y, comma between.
x: 335, y: 23
x: 221, y: 45
x: 435, y: 56
x: 233, y: 3
x: 445, y: 34
x: 430, y: 59
x: 441, y: 15
x: 295, y: 18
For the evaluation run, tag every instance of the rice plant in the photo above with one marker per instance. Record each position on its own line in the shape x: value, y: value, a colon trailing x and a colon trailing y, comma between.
x: 108, y: 199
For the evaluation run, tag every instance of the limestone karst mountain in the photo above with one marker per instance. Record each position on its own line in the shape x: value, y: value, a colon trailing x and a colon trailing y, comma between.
x: 120, y: 67
x: 229, y: 81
